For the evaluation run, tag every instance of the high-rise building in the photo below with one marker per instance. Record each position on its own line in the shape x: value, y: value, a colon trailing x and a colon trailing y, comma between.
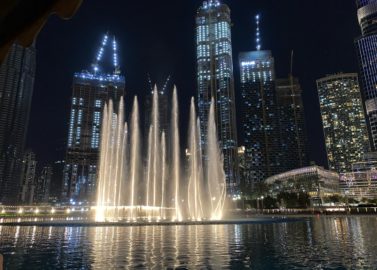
x: 44, y: 184
x: 28, y: 183
x: 343, y: 120
x: 293, y: 153
x: 366, y: 47
x: 260, y: 116
x: 215, y: 80
x: 17, y: 74
x: 90, y: 92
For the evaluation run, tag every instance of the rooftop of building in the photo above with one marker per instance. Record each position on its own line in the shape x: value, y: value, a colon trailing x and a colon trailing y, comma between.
x: 305, y: 171
x: 99, y: 78
x: 337, y: 76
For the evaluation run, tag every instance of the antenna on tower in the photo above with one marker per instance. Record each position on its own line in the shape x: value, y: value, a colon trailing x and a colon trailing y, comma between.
x: 258, y: 39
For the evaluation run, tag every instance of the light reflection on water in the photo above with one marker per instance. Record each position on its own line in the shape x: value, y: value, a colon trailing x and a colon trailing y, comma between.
x: 315, y: 243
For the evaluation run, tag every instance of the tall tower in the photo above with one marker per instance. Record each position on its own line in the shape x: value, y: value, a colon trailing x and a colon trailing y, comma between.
x: 90, y: 91
x: 17, y: 74
x: 259, y: 113
x: 215, y: 79
x: 292, y: 124
x: 366, y: 46
x: 343, y: 120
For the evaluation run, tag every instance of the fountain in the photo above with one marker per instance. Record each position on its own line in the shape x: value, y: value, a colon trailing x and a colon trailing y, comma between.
x: 133, y: 187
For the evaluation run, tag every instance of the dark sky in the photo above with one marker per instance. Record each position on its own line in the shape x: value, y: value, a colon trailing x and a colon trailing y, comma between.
x: 158, y: 37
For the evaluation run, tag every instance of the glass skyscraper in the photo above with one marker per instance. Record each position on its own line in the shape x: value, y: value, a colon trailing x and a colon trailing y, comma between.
x: 343, y: 120
x: 292, y: 124
x: 215, y: 80
x: 366, y: 46
x: 17, y: 74
x: 90, y: 92
x: 259, y: 116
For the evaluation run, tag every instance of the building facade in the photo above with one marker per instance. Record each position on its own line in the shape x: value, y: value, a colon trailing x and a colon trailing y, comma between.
x: 366, y: 47
x: 44, y: 184
x: 361, y: 182
x: 314, y: 180
x: 28, y: 178
x: 215, y: 80
x: 343, y: 120
x: 293, y: 135
x: 259, y: 116
x: 17, y: 74
x: 90, y: 92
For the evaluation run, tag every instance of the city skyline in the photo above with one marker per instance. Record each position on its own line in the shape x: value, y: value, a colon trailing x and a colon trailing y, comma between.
x: 219, y: 134
x: 182, y: 58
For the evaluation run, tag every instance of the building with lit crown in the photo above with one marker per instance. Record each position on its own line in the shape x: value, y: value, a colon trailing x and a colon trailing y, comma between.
x: 343, y: 120
x: 215, y: 80
x: 366, y: 47
x: 90, y: 92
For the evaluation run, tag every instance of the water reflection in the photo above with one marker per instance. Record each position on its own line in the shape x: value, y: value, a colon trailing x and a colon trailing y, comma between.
x: 321, y: 243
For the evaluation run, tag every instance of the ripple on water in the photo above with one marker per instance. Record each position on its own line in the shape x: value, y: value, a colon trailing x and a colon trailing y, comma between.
x: 324, y: 243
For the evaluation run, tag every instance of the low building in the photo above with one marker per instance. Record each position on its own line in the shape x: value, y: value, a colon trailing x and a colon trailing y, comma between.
x: 361, y: 182
x: 313, y: 180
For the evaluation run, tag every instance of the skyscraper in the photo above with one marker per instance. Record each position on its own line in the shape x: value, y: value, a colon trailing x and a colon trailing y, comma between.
x: 260, y: 116
x: 17, y: 74
x: 366, y: 46
x: 28, y: 181
x: 343, y: 120
x: 293, y: 153
x: 44, y: 184
x: 215, y: 80
x: 90, y: 91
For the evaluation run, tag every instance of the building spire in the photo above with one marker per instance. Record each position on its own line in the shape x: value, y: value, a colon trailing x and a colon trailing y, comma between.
x: 258, y: 39
x: 100, y: 52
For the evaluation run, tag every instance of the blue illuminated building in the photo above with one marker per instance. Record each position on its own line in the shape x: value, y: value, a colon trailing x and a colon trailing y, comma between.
x: 215, y: 80
x: 90, y: 91
x: 366, y: 46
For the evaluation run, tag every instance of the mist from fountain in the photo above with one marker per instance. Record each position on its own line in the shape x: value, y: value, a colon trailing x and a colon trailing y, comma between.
x: 157, y: 187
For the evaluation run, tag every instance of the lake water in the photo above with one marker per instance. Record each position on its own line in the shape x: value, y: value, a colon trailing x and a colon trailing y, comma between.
x: 311, y: 243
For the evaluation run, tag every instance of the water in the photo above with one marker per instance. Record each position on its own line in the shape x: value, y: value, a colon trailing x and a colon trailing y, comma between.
x: 313, y: 243
x: 148, y: 180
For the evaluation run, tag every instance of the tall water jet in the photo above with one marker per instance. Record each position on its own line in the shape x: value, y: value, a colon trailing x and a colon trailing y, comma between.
x: 215, y: 170
x: 163, y: 175
x: 100, y: 215
x: 163, y: 190
x: 134, y: 157
x: 175, y: 156
x: 156, y: 144
x: 195, y: 174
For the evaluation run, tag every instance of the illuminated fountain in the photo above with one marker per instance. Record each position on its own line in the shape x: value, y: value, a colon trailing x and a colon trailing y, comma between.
x: 155, y: 187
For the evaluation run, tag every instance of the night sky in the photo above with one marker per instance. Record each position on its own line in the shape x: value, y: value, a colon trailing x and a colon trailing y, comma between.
x: 158, y: 37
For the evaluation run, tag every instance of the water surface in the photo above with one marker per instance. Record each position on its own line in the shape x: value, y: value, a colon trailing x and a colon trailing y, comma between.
x: 313, y: 243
